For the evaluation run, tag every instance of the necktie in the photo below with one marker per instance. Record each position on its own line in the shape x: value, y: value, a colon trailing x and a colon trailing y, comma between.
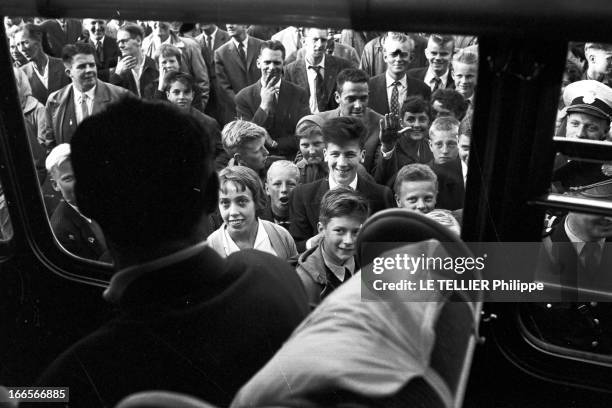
x: 84, y: 109
x: 242, y: 54
x: 437, y: 82
x: 394, y: 106
x: 319, y: 87
x: 209, y: 41
x: 589, y: 256
x: 99, y: 52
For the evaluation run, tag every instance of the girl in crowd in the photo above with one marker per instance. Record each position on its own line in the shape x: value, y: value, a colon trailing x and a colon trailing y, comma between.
x: 241, y: 202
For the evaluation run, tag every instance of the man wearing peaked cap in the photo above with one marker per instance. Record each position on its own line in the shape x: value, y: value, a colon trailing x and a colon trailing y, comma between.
x: 589, y: 109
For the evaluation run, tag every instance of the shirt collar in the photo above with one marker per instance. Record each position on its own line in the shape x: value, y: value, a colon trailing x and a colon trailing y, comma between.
x: 333, y: 185
x: 390, y: 81
x: 580, y: 243
x: 429, y: 75
x: 95, y: 40
x: 244, y: 43
x: 339, y: 270
x: 89, y: 93
x: 320, y: 64
x: 276, y: 87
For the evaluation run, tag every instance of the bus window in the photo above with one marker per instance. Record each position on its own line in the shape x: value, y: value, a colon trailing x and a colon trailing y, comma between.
x: 578, y: 229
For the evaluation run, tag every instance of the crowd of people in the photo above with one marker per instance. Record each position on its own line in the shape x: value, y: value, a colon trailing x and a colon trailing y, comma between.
x: 311, y: 131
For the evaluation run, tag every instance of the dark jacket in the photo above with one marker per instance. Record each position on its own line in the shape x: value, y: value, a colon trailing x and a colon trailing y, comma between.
x: 76, y: 234
x: 406, y: 152
x: 126, y: 79
x: 291, y: 106
x: 57, y: 79
x: 419, y: 74
x: 378, y: 92
x: 306, y: 203
x: 201, y: 326
x: 296, y: 73
x: 451, y: 190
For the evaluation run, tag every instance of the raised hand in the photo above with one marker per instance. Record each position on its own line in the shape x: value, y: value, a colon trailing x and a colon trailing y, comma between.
x: 389, y: 131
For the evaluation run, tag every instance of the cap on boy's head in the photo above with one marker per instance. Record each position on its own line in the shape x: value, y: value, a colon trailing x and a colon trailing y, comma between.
x: 58, y: 155
x: 590, y: 97
x: 309, y: 124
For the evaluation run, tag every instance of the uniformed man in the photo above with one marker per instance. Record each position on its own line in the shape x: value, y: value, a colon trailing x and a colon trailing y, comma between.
x: 588, y: 114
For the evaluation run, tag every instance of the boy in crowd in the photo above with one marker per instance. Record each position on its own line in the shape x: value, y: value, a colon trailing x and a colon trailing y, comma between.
x: 326, y: 266
x: 448, y: 102
x: 79, y: 235
x: 282, y: 178
x: 311, y: 163
x: 443, y: 135
x: 416, y: 188
x: 344, y: 151
x: 244, y: 142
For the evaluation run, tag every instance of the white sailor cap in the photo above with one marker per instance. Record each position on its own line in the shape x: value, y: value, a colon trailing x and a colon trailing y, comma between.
x: 590, y: 97
x: 58, y: 155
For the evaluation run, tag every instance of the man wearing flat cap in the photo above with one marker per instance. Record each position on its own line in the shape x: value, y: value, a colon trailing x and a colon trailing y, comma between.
x: 589, y: 111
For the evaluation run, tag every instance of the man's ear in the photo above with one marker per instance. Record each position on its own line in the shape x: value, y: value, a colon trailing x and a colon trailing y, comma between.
x: 236, y: 158
x: 362, y: 154
x: 267, y: 187
x: 325, y: 154
x: 397, y: 200
x: 337, y: 97
x: 320, y: 227
x: 54, y: 185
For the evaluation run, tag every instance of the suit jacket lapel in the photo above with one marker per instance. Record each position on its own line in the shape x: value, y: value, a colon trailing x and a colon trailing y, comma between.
x: 252, y: 53
x: 102, y: 97
x: 56, y: 72
x: 68, y: 120
x: 315, y: 205
x: 331, y: 71
x: 234, y: 54
x: 284, y: 100
x: 301, y: 77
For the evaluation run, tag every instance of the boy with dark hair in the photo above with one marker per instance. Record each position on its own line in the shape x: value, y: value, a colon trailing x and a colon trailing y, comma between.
x: 448, y: 102
x: 343, y: 137
x: 404, y: 142
x: 326, y: 266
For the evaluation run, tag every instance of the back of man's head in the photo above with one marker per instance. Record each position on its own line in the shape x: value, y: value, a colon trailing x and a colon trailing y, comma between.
x: 145, y: 173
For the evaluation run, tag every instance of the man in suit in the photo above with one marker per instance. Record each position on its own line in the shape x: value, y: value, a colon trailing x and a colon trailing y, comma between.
x: 60, y: 32
x: 236, y: 68
x: 85, y: 96
x: 373, y: 56
x: 344, y: 150
x: 273, y: 103
x: 439, y: 52
x: 352, y: 98
x: 443, y: 137
x: 134, y: 71
x: 317, y: 72
x: 389, y: 90
x: 333, y: 48
x: 465, y: 75
x: 192, y: 61
x: 211, y: 38
x: 577, y: 255
x: 291, y: 38
x: 107, y: 52
x: 45, y: 74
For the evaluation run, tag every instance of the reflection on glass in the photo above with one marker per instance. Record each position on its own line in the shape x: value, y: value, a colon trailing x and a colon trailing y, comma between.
x: 6, y: 228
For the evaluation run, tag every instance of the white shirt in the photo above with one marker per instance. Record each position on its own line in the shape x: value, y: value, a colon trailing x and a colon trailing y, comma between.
x: 430, y: 76
x: 464, y: 170
x: 333, y: 185
x: 339, y: 270
x: 579, y: 244
x: 262, y: 241
x: 77, y: 102
x: 402, y: 89
x: 244, y: 43
x: 137, y: 72
x: 212, y: 38
x: 312, y: 74
x: 44, y: 76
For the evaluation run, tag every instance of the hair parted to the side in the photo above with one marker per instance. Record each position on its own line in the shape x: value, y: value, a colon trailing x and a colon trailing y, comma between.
x: 343, y: 202
x: 142, y: 171
x: 343, y: 130
x: 244, y: 178
x: 134, y: 30
x: 240, y: 132
x: 442, y: 39
x: 70, y: 50
x: 468, y: 55
x: 414, y: 172
x: 272, y: 45
x: 167, y: 50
